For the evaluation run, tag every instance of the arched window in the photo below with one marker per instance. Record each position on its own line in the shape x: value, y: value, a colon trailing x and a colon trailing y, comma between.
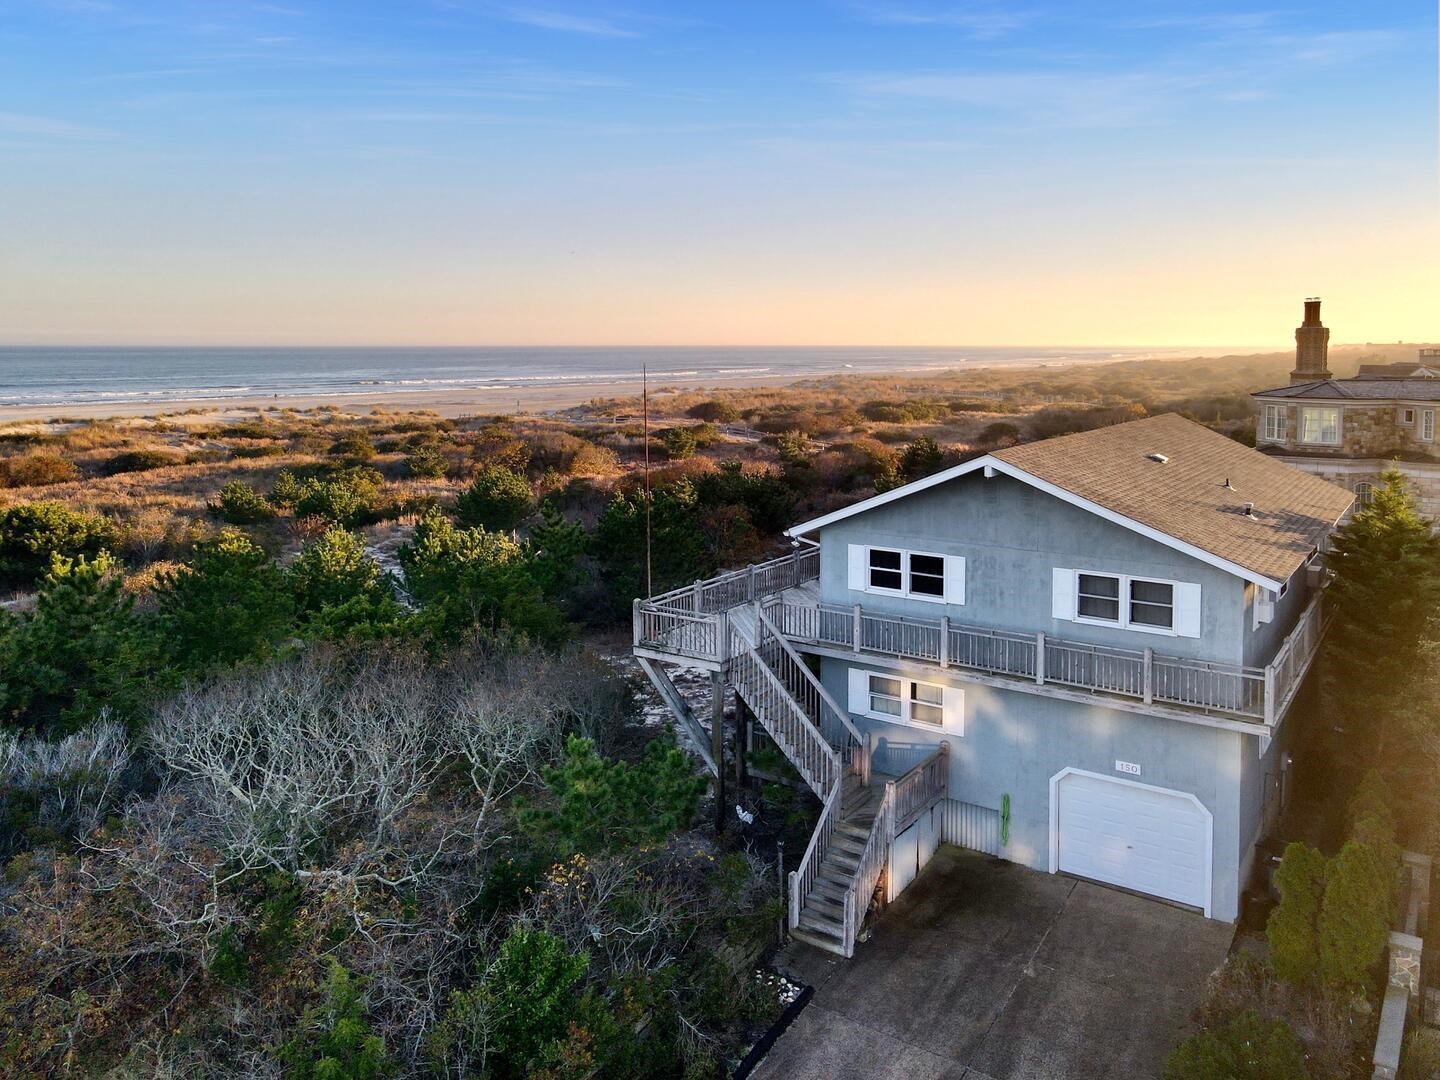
x: 1364, y: 492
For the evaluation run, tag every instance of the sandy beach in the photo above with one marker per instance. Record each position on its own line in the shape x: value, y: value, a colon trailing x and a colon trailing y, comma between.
x: 539, y: 398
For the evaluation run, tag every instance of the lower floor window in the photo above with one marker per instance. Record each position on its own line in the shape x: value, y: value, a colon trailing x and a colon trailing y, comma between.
x: 888, y: 697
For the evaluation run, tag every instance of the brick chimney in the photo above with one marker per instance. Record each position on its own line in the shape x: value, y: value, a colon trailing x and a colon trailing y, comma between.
x: 1312, y: 346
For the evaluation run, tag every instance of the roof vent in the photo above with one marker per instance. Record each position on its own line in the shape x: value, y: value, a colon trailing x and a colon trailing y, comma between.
x: 1229, y: 486
x: 1161, y: 458
x: 1249, y: 510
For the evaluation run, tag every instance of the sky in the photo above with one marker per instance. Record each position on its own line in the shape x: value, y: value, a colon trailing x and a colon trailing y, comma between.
x: 895, y: 172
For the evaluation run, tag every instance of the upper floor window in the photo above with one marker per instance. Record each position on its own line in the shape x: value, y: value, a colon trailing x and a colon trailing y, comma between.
x: 1364, y: 493
x: 1320, y: 425
x: 1407, y: 416
x: 1275, y: 422
x: 1427, y: 425
x: 919, y: 575
x: 1150, y: 605
x: 1125, y: 601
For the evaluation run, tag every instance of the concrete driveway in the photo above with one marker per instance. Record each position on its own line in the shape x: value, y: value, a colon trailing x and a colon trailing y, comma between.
x: 984, y: 970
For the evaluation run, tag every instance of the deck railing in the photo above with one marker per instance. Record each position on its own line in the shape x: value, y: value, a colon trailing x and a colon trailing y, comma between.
x: 691, y: 623
x: 743, y: 586
x: 1142, y: 674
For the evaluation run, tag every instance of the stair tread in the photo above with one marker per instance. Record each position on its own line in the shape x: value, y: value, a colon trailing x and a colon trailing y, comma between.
x: 827, y: 942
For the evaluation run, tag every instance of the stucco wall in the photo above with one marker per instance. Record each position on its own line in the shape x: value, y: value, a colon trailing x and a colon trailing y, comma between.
x: 1011, y: 537
x: 1262, y: 642
x: 1015, y: 742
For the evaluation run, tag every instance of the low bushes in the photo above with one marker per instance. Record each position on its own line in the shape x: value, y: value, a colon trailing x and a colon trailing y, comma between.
x: 1247, y: 1048
x: 36, y: 470
x: 240, y: 504
x: 140, y: 461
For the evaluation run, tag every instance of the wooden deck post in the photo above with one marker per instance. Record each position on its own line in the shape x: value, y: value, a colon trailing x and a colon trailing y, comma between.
x: 945, y: 641
x: 1270, y: 694
x: 637, y: 629
x: 855, y: 641
x: 717, y: 744
x: 742, y: 725
x: 1040, y: 658
x: 1149, y: 679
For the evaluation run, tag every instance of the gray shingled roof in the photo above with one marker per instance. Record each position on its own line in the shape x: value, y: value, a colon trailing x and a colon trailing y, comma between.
x: 1362, y: 389
x: 1185, y: 496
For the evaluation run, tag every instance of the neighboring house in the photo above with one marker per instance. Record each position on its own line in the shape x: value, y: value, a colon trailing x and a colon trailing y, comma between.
x: 1076, y: 654
x: 1350, y: 430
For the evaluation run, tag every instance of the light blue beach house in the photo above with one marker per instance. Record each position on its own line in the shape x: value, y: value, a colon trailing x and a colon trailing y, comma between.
x: 1076, y: 654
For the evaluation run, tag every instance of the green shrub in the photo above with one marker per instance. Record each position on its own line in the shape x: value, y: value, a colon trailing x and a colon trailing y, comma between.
x: 81, y: 651
x: 999, y: 432
x: 36, y: 470
x: 340, y: 591
x: 33, y: 532
x: 139, y: 461
x: 1247, y: 1048
x: 240, y: 504
x: 426, y: 463
x: 286, y: 490
x: 513, y: 1015
x: 469, y: 578
x: 680, y: 443
x: 334, y: 1041
x: 794, y: 449
x: 921, y: 458
x: 1292, y: 929
x: 1355, y: 914
x: 606, y: 805
x: 228, y: 603
x: 347, y: 499
x: 717, y: 412
x: 499, y: 498
x: 353, y: 447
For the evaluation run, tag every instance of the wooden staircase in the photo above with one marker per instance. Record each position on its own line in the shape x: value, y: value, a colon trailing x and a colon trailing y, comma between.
x: 843, y: 866
x: 821, y: 920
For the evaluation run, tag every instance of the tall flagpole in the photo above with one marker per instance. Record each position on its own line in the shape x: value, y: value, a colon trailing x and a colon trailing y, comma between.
x: 645, y: 421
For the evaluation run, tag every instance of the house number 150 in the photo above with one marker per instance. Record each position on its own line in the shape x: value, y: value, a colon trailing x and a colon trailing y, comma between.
x: 1127, y: 767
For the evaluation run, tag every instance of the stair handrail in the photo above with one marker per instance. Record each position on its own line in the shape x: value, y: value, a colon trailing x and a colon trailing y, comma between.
x: 819, y: 747
x: 802, y: 878
x: 872, y: 864
x: 856, y: 748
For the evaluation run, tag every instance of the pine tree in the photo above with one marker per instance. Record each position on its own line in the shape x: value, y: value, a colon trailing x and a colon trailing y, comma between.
x: 1386, y: 587
x: 1291, y: 930
x: 335, y: 1042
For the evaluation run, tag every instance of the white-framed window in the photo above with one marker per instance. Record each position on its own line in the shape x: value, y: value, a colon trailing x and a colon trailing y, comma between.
x: 1427, y: 425
x: 1149, y: 605
x: 898, y: 699
x: 1364, y: 493
x: 1125, y: 601
x: 916, y: 575
x: 1276, y: 417
x: 1407, y: 416
x: 1320, y: 425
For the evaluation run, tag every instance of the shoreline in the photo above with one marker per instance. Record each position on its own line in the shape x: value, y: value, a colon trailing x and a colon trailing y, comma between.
x: 452, y: 402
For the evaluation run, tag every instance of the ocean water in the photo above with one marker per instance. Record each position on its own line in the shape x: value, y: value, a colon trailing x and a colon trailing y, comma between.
x: 57, y: 377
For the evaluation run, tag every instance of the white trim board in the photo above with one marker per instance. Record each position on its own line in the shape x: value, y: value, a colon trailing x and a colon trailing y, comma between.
x: 992, y: 465
x: 1209, y: 823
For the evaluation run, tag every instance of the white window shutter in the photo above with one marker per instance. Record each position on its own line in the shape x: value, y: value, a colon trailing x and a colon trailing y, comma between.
x: 955, y: 579
x: 859, y: 565
x: 1062, y: 595
x: 859, y: 691
x: 1187, y: 610
x: 955, y: 710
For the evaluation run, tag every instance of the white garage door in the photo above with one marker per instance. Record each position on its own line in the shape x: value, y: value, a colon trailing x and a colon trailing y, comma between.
x: 1141, y: 838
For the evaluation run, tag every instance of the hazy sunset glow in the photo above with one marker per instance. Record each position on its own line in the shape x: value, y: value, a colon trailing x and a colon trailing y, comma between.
x: 375, y: 172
